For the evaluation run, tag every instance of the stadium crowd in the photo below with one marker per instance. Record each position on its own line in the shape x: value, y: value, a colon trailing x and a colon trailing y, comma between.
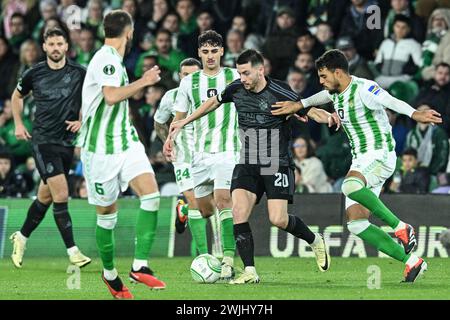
x: 404, y: 45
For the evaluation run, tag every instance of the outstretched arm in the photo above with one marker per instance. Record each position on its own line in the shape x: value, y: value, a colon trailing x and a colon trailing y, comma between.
x: 291, y: 107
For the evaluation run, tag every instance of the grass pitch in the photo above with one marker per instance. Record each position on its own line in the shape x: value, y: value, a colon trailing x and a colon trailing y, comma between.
x: 291, y: 278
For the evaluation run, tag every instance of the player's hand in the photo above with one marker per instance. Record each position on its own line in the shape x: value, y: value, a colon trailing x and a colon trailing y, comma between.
x: 152, y: 76
x: 22, y: 133
x: 302, y: 118
x: 333, y: 119
x: 427, y: 116
x: 168, y: 149
x: 175, y: 127
x: 285, y: 107
x: 73, y: 126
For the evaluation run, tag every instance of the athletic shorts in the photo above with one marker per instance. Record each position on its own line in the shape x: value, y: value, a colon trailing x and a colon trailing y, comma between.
x: 376, y: 167
x: 183, y: 176
x: 107, y: 174
x: 52, y: 160
x: 280, y: 185
x: 212, y: 171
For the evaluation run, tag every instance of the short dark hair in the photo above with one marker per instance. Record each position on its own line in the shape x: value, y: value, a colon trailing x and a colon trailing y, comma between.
x: 6, y: 155
x: 162, y: 30
x: 211, y: 38
x: 188, y: 62
x: 402, y: 18
x: 250, y: 55
x: 18, y: 15
x: 332, y: 60
x: 55, y: 32
x: 410, y: 152
x: 443, y: 64
x: 115, y: 23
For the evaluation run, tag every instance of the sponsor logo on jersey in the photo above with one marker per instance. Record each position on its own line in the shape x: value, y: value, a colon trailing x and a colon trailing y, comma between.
x: 375, y: 89
x: 211, y: 92
x: 109, y: 69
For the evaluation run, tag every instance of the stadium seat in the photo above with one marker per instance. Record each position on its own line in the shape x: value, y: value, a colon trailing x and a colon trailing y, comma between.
x: 404, y: 90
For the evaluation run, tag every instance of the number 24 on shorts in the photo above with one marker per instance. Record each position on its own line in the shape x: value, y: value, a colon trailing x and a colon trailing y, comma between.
x: 180, y: 175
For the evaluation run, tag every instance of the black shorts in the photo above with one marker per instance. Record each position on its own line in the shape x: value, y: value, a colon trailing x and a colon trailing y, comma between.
x: 52, y: 160
x: 280, y: 185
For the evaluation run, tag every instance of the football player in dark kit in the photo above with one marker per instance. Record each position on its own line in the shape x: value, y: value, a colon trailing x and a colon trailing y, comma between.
x: 266, y: 164
x: 56, y: 88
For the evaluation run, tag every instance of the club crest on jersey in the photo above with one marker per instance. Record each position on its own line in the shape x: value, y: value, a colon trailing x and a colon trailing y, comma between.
x: 211, y: 93
x: 375, y: 89
x: 109, y: 69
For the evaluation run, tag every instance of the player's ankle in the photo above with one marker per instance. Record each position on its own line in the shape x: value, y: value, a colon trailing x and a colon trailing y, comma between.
x: 139, y: 263
x: 72, y: 250
x: 401, y: 225
x: 110, y: 275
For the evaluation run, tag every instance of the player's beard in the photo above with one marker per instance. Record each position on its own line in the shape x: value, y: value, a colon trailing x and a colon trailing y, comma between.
x: 57, y: 58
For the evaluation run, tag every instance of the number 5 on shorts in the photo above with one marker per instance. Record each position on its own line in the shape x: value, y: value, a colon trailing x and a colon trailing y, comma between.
x: 99, y: 188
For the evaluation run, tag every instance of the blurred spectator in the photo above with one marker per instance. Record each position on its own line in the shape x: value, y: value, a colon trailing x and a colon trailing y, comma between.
x: 442, y: 55
x: 443, y: 180
x: 438, y: 25
x: 305, y: 63
x: 411, y: 178
x: 357, y: 65
x: 160, y: 9
x: 324, y: 35
x: 307, y: 43
x: 147, y: 61
x: 94, y: 18
x: 355, y: 25
x: 269, y: 12
x: 50, y: 23
x: 171, y: 22
x: 163, y: 169
x: 9, y: 65
x: 431, y: 143
x: 185, y: 9
x: 267, y: 67
x: 400, y: 129
x: 336, y: 158
x: 399, y: 57
x: 188, y: 42
x: 235, y: 46
x: 79, y: 190
x: 251, y: 40
x: 299, y: 187
x: 298, y: 83
x: 19, y: 32
x: 404, y: 7
x: 12, y: 183
x: 30, y: 54
x: 47, y: 9
x: 330, y: 11
x: 168, y: 57
x: 312, y: 173
x: 20, y: 149
x: 64, y: 10
x: 436, y: 94
x: 281, y: 43
x: 86, y: 48
x: 9, y: 8
x: 31, y: 176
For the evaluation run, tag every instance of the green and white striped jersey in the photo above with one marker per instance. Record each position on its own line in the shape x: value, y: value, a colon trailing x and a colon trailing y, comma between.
x: 105, y: 129
x: 184, y: 142
x: 217, y: 131
x: 360, y: 108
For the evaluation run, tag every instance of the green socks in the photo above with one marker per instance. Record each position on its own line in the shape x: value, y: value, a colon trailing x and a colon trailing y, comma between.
x: 228, y: 241
x: 104, y: 236
x: 145, y: 233
x: 369, y: 200
x: 378, y: 238
x: 197, y: 225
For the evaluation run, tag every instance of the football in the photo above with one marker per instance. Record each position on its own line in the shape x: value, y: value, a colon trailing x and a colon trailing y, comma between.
x: 205, y: 268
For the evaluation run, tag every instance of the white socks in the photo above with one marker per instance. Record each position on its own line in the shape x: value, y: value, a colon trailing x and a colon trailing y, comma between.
x: 413, y: 259
x: 71, y: 251
x: 137, y: 264
x: 110, y: 274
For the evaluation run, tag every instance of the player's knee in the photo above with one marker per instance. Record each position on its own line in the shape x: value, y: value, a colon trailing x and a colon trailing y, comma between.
x: 279, y: 221
x: 60, y: 195
x: 107, y: 221
x: 358, y: 226
x: 150, y: 202
x: 351, y: 184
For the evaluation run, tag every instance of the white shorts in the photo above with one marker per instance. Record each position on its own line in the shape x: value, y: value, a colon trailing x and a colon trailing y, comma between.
x: 213, y: 171
x: 107, y: 174
x: 376, y: 167
x: 183, y: 176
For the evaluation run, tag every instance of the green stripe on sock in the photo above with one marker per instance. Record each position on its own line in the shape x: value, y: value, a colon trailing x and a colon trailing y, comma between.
x: 145, y: 233
x: 105, y: 246
x: 228, y: 241
x: 369, y: 200
x: 384, y: 243
x: 198, y: 232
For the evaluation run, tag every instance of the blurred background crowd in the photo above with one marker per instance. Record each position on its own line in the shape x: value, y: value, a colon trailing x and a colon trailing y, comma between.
x: 404, y: 45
